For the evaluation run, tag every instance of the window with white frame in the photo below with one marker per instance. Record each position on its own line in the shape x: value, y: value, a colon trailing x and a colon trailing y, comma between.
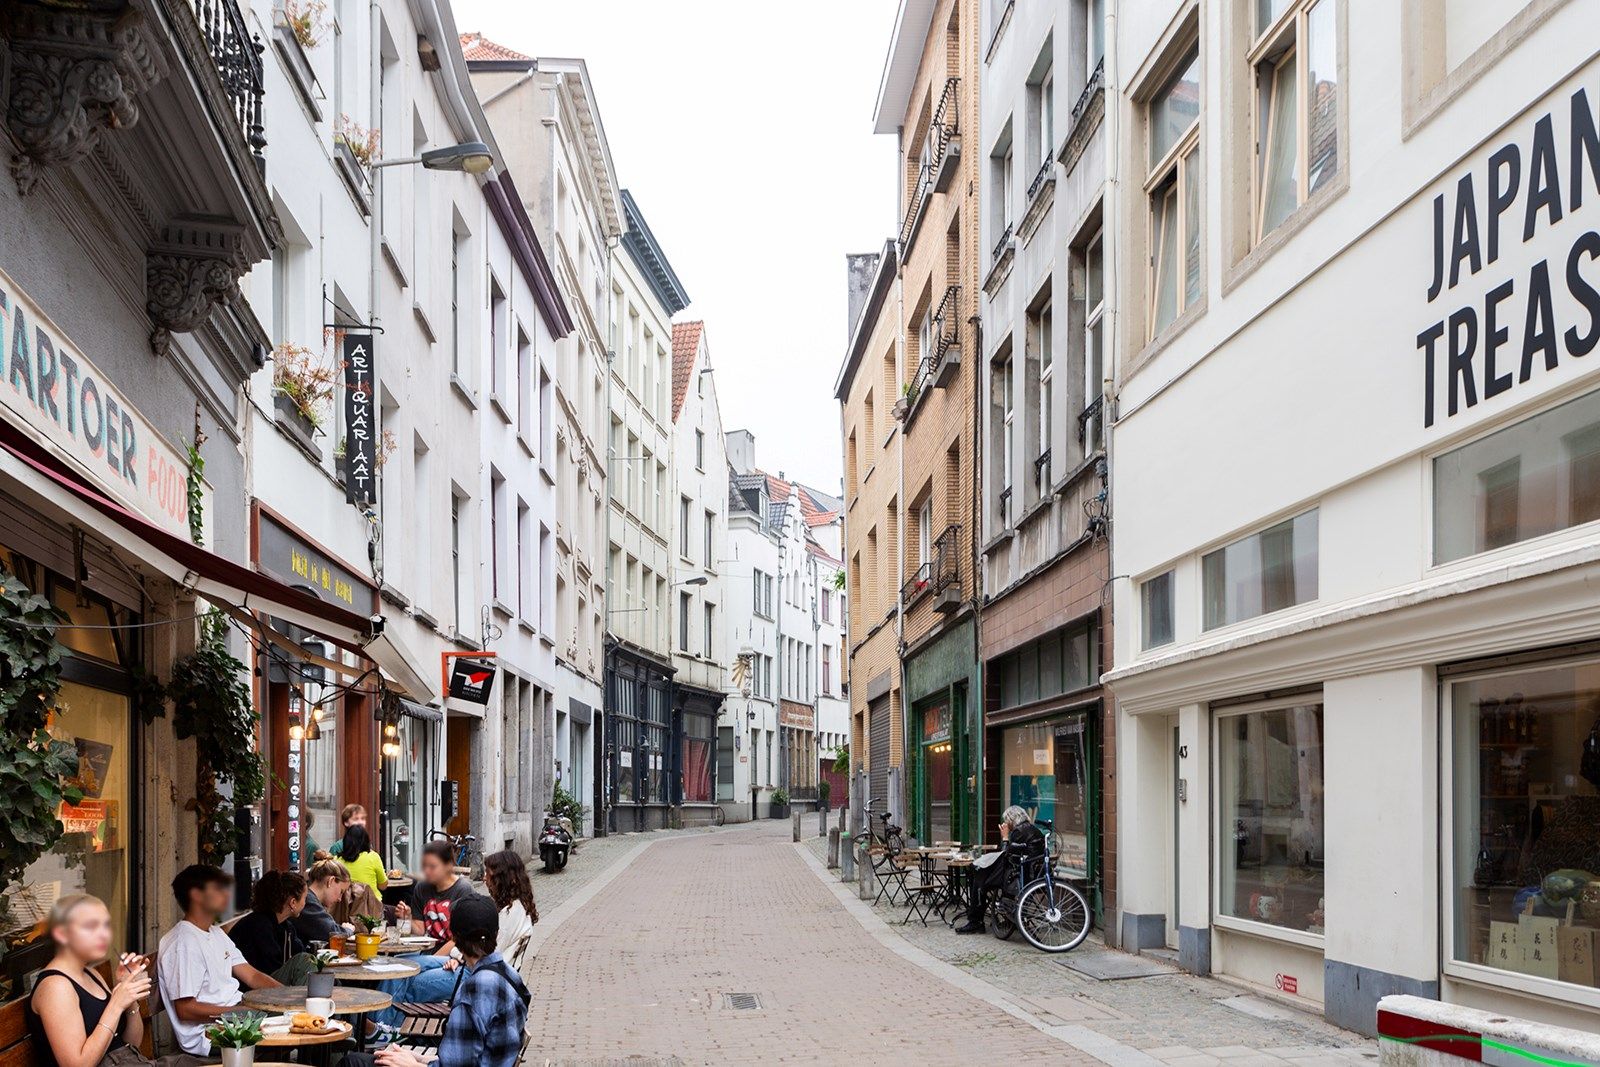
x: 1000, y: 167
x: 710, y: 525
x: 1001, y: 412
x: 1094, y: 295
x: 683, y: 622
x: 700, y: 450
x: 683, y: 526
x: 1094, y: 33
x: 497, y: 338
x: 1173, y: 188
x: 1041, y: 329
x: 1156, y: 611
x: 1268, y: 571
x: 710, y: 628
x: 1294, y: 61
x: 924, y: 533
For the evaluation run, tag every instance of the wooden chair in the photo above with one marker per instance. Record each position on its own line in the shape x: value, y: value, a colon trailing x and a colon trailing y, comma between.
x: 16, y: 1045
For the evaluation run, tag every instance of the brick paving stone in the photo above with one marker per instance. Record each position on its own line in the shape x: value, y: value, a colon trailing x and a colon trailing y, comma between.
x: 638, y: 974
x: 1180, y: 1015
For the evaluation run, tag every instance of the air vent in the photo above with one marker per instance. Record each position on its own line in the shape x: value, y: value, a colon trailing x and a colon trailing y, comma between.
x: 741, y: 1001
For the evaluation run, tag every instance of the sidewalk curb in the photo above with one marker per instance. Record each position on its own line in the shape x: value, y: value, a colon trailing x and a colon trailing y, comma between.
x: 1090, y: 1042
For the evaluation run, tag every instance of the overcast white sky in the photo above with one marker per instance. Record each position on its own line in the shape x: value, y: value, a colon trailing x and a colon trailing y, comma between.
x: 744, y: 130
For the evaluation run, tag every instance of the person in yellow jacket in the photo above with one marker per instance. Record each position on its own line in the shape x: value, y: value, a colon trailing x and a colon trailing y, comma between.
x: 356, y: 854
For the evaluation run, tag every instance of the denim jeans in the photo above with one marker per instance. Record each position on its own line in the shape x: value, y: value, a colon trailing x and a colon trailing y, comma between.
x: 433, y: 985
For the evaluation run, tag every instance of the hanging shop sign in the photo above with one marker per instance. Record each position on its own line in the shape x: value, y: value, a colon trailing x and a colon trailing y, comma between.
x: 471, y: 679
x: 51, y: 388
x: 1515, y: 268
x: 360, y: 421
x: 294, y: 560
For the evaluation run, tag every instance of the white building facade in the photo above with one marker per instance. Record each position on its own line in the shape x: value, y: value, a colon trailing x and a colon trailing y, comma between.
x: 551, y: 136
x: 1355, y: 461
x: 699, y: 597
x: 747, y: 730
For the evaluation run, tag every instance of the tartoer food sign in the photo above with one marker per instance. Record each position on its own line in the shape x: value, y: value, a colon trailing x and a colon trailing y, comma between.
x: 52, y: 388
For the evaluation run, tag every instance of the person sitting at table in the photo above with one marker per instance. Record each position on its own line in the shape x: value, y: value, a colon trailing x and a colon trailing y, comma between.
x: 267, y: 937
x: 326, y: 883
x: 349, y: 815
x: 202, y: 972
x: 74, y: 1018
x: 489, y: 1011
x: 1020, y: 841
x: 356, y: 854
x: 433, y: 898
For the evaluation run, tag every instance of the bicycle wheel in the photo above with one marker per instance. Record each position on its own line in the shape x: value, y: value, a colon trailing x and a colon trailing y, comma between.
x: 1054, y: 916
x: 1004, y: 924
x: 718, y: 816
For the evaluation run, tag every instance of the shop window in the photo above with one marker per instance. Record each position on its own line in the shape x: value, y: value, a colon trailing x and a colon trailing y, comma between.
x: 320, y: 758
x: 1536, y: 477
x: 1045, y: 771
x: 406, y: 780
x: 1525, y: 840
x: 1061, y: 662
x: 1268, y: 571
x: 1270, y: 813
x: 1155, y: 614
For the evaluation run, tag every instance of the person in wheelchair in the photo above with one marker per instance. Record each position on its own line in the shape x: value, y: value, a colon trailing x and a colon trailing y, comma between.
x: 1020, y: 843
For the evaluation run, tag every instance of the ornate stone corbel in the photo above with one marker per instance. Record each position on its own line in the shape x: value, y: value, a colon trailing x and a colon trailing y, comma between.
x: 196, y: 264
x: 75, y: 73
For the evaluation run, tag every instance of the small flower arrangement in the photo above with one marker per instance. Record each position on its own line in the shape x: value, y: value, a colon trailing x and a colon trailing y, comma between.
x: 321, y: 960
x: 369, y: 922
x: 361, y: 142
x: 305, y: 20
x: 307, y: 384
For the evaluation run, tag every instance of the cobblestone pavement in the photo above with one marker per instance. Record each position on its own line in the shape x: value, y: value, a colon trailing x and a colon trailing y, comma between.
x: 591, y: 859
x: 1176, y: 1018
x: 642, y: 970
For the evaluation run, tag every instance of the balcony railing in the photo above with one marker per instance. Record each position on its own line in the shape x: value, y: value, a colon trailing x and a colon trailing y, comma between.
x: 1097, y: 81
x: 920, y: 582
x: 1034, y: 186
x: 940, y: 574
x: 237, y: 54
x: 942, y: 131
x: 947, y: 323
x: 1000, y: 245
x: 1089, y: 424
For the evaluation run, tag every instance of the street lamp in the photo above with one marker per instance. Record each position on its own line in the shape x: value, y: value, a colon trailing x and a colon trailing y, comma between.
x: 699, y: 580
x: 474, y: 157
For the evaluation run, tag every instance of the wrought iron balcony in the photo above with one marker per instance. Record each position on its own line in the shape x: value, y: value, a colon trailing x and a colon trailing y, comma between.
x: 1045, y: 170
x: 920, y: 582
x: 1089, y: 424
x: 237, y: 54
x: 1001, y: 245
x: 939, y: 575
x: 1097, y: 82
x: 941, y: 151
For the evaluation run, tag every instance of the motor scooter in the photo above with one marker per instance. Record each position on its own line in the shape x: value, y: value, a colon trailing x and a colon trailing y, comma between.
x: 555, y: 842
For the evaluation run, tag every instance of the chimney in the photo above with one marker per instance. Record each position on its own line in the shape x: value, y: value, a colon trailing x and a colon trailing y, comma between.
x: 860, y: 267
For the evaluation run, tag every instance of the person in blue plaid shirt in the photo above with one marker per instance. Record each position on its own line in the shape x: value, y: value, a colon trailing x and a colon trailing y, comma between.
x: 489, y: 1011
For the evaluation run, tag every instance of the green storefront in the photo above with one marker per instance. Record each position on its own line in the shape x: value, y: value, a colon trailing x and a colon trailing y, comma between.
x: 944, y: 734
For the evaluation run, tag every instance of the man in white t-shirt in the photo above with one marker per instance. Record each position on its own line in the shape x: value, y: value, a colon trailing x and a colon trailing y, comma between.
x: 202, y: 973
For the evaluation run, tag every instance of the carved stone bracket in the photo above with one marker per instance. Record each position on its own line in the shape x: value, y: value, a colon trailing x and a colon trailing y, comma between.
x: 75, y: 71
x: 196, y: 264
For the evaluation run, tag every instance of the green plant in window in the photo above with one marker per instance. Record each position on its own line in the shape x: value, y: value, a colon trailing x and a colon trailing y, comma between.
x: 34, y: 767
x: 211, y: 703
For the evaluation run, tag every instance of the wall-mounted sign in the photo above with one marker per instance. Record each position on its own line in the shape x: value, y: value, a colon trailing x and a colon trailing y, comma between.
x: 51, y: 388
x: 471, y: 679
x: 1531, y: 202
x: 290, y: 558
x: 796, y: 716
x: 360, y: 421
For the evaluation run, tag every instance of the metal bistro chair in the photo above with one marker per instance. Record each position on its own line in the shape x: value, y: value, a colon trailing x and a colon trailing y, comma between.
x: 928, y: 896
x: 892, y: 878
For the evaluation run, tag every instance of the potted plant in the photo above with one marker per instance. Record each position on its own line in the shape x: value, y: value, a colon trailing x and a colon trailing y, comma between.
x: 236, y: 1036
x: 319, y: 983
x: 367, y: 943
x: 780, y: 804
x: 304, y: 19
x: 301, y: 387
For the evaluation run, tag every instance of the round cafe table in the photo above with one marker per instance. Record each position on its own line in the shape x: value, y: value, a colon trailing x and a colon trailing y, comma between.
x: 400, y: 948
x: 364, y: 972
x: 318, y: 1043
x: 347, y: 1000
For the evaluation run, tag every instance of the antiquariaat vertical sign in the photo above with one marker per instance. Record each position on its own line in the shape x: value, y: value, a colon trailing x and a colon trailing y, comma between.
x: 360, y: 428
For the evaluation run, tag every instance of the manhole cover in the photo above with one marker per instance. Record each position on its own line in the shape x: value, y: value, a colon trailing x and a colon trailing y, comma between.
x: 741, y: 1001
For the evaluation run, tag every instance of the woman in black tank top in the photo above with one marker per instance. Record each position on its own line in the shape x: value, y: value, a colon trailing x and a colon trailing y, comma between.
x: 105, y: 1019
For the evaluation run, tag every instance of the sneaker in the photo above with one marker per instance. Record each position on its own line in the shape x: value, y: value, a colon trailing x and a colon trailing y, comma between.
x: 970, y: 928
x: 382, y: 1034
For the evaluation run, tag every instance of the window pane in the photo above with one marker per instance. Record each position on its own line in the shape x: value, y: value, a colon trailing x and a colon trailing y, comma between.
x: 1530, y: 479
x: 1265, y: 572
x: 1266, y: 12
x: 1156, y: 603
x: 1093, y: 275
x: 1322, y: 107
x: 1271, y: 817
x: 1279, y: 188
x: 1526, y: 818
x: 1164, y: 231
x: 1191, y: 223
x: 1175, y: 108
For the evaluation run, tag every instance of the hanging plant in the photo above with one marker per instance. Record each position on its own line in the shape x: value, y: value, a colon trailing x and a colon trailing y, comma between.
x: 194, y: 493
x: 305, y: 20
x: 211, y: 703
x: 34, y: 766
x: 304, y: 382
x: 361, y: 142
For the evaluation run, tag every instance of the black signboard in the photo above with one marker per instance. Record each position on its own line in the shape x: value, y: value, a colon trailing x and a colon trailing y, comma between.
x: 472, y: 679
x: 360, y: 428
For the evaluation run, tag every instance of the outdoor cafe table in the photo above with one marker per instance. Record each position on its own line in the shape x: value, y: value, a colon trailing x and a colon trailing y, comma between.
x: 318, y: 1041
x: 347, y: 1000
x: 367, y: 972
x: 400, y: 948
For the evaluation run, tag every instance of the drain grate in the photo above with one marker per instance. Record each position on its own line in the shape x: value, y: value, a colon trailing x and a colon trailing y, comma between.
x: 741, y: 1001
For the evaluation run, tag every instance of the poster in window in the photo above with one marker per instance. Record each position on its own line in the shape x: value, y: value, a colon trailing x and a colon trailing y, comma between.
x: 94, y: 761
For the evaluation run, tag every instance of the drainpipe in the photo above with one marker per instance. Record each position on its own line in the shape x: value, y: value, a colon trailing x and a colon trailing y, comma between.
x: 974, y: 537
x: 1110, y: 371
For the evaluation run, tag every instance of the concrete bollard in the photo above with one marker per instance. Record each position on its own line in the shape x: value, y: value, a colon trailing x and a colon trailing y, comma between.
x: 842, y: 812
x: 833, y: 849
x: 797, y: 827
x: 865, y: 890
x: 847, y: 859
x: 822, y: 823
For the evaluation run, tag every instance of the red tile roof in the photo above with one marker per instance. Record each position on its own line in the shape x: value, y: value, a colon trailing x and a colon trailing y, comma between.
x: 475, y: 46
x: 685, y: 344
x: 811, y: 510
x: 822, y: 554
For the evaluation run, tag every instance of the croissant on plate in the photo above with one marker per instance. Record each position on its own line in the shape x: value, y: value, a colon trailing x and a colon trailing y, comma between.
x: 303, y: 1022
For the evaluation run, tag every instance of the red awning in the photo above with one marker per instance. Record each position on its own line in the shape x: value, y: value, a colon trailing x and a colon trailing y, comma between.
x: 186, y: 563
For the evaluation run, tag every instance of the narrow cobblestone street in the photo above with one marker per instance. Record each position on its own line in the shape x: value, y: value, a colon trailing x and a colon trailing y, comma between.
x: 652, y: 933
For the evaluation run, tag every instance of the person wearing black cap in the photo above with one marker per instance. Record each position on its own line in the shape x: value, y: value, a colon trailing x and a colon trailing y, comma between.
x: 489, y: 1010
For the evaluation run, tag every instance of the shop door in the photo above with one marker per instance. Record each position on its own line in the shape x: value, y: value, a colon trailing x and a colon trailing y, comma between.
x: 1074, y: 798
x: 937, y: 785
x: 458, y: 768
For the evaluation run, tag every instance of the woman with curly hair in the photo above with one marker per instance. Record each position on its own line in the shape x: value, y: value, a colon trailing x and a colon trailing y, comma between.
x: 505, y: 876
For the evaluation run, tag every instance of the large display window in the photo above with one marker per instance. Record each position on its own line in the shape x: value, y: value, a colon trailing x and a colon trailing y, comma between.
x: 1270, y: 817
x: 1524, y: 827
x: 1047, y: 770
x: 408, y: 769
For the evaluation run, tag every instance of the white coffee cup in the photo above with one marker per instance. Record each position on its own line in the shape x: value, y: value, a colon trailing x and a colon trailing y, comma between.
x: 322, y: 1006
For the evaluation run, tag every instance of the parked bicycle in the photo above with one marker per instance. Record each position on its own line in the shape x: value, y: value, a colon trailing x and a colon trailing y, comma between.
x: 1051, y: 913
x: 463, y: 845
x: 887, y: 838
